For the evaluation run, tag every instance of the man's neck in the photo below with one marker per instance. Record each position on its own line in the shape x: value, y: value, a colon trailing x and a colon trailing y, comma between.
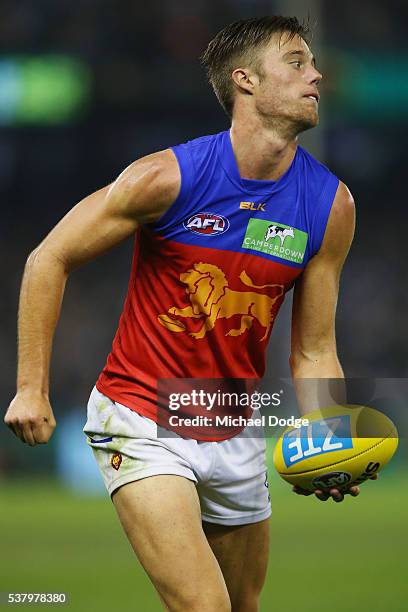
x: 261, y: 153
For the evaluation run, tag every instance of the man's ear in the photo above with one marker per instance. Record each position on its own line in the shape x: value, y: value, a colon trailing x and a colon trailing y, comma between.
x: 244, y: 80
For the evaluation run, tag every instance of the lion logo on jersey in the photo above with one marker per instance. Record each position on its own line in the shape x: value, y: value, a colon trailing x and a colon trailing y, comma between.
x: 211, y: 299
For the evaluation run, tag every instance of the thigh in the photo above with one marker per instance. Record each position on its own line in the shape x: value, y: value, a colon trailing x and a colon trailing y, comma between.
x: 236, y: 493
x: 242, y: 553
x: 161, y: 517
x: 126, y: 445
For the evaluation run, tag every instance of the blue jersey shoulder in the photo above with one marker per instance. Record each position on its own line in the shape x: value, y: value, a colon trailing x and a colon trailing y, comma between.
x: 211, y: 185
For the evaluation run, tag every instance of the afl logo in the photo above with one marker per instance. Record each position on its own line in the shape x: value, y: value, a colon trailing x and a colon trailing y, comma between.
x: 332, y: 479
x: 207, y: 224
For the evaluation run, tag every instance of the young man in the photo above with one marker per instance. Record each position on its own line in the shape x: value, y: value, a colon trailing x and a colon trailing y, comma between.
x: 226, y: 225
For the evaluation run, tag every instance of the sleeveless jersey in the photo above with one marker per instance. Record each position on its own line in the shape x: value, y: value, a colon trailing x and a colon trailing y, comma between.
x: 209, y: 277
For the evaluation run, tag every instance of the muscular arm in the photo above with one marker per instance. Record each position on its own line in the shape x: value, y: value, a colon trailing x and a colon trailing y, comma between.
x: 313, y: 347
x: 141, y: 194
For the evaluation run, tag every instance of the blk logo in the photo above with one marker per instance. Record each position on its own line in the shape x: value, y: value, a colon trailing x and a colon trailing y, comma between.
x: 252, y: 206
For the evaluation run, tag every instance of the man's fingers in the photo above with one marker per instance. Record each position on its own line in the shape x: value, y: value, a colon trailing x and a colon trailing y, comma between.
x: 336, y: 495
x: 17, y: 430
x: 42, y: 430
x: 30, y: 417
x: 28, y: 434
x: 301, y: 491
x: 32, y: 431
x: 322, y: 495
x: 23, y: 431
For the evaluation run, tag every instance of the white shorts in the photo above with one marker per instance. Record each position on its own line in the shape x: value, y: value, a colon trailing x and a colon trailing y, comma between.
x: 230, y: 476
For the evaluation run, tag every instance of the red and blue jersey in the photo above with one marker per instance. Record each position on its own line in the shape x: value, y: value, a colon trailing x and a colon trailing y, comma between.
x: 209, y: 277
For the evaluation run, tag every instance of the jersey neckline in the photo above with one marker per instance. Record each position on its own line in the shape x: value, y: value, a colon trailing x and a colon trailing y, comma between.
x: 229, y: 163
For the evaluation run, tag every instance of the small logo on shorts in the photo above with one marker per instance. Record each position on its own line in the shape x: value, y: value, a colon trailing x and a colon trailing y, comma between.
x: 116, y: 461
x: 266, y: 484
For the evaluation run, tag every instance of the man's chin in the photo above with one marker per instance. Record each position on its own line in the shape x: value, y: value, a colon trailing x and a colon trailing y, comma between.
x: 307, y: 123
x: 293, y: 124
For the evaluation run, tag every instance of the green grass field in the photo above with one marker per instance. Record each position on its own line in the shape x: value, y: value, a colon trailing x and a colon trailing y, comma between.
x: 348, y: 557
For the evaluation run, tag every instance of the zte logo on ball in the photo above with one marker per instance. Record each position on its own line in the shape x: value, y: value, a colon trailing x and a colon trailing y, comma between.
x: 317, y: 438
x: 207, y: 224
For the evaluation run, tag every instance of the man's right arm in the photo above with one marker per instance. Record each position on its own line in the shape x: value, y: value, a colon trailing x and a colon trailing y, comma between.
x: 141, y: 194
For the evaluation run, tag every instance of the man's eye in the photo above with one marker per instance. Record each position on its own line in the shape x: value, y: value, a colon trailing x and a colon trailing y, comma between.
x: 298, y: 64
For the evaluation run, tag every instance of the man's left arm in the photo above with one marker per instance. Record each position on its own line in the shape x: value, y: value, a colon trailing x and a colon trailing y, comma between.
x: 313, y: 345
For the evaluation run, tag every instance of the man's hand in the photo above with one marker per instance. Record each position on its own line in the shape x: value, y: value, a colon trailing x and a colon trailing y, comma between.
x: 335, y: 494
x: 31, y: 418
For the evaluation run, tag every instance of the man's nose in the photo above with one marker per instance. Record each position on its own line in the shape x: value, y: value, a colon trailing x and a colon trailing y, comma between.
x: 315, y: 75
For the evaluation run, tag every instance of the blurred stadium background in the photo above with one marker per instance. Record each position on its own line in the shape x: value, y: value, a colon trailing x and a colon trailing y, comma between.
x: 86, y: 89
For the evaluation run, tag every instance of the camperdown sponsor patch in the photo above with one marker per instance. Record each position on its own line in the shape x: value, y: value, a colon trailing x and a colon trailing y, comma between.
x: 276, y: 239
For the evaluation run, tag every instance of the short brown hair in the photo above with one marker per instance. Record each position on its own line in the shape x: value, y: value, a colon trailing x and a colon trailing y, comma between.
x: 240, y: 41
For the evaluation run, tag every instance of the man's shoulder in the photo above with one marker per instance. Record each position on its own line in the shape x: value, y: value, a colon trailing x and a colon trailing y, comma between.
x: 149, y: 185
x: 315, y: 164
x: 319, y: 181
x: 201, y: 141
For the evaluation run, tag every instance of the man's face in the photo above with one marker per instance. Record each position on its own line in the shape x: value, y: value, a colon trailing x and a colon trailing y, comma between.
x: 288, y: 86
